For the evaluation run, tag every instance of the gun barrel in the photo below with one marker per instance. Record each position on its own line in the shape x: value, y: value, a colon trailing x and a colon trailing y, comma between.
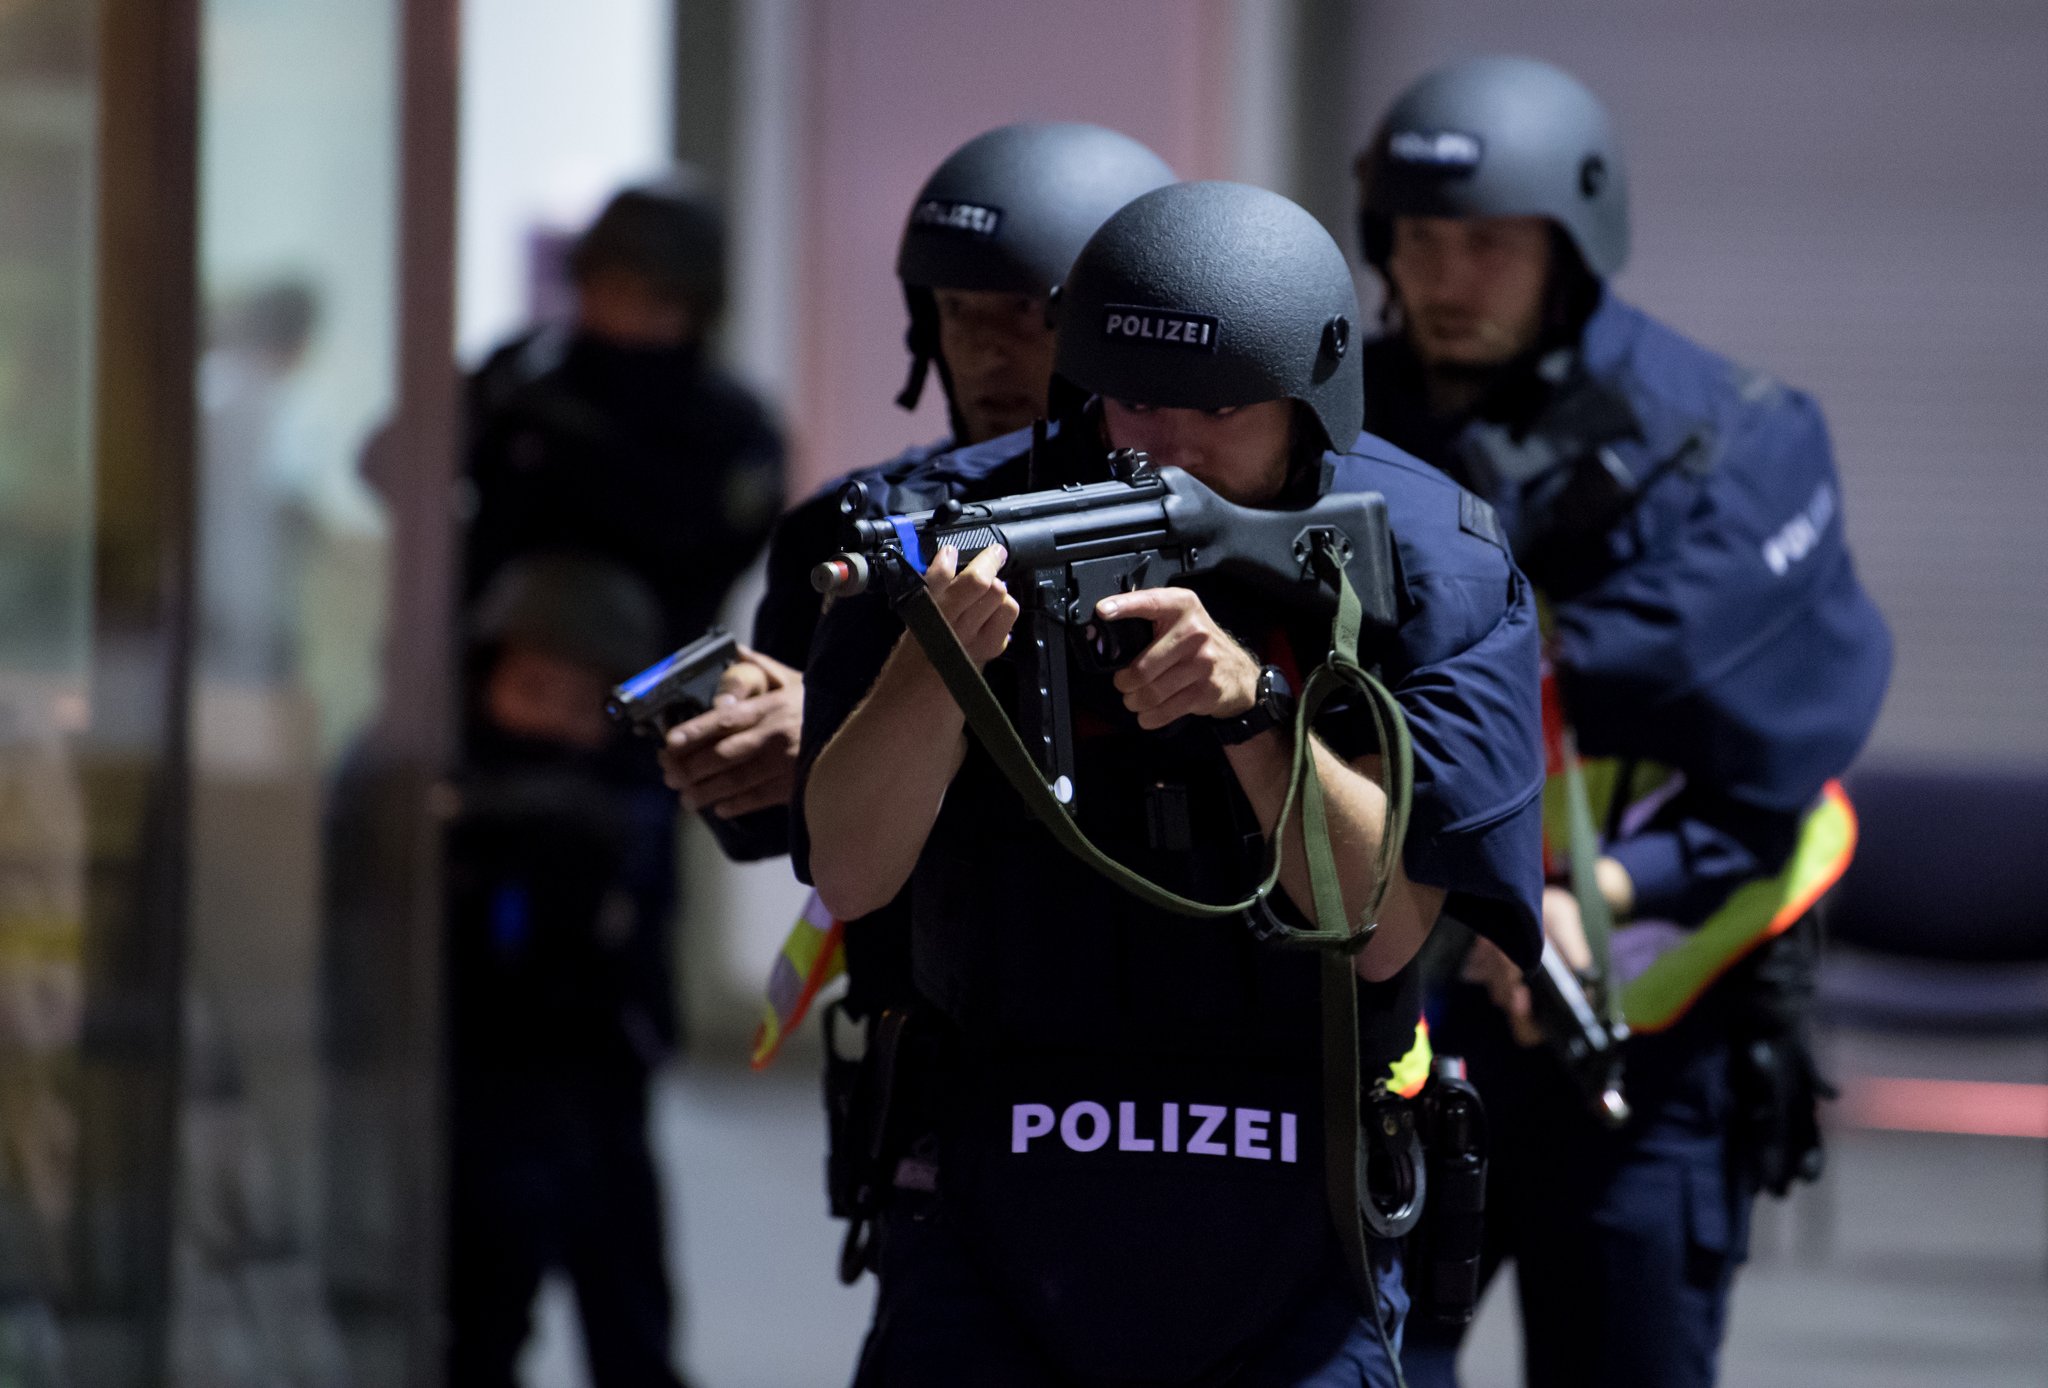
x: 845, y: 574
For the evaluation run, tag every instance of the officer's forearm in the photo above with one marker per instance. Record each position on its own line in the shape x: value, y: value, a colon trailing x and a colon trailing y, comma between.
x: 1357, y: 811
x: 876, y: 788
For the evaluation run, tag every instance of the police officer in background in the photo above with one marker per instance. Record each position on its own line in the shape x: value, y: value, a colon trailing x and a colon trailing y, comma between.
x: 616, y: 435
x: 989, y: 235
x: 615, y: 440
x: 1033, y: 1257
x: 560, y: 1001
x: 1716, y: 662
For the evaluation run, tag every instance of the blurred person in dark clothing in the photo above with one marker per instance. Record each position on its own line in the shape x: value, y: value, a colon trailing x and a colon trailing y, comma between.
x: 615, y: 435
x: 561, y: 999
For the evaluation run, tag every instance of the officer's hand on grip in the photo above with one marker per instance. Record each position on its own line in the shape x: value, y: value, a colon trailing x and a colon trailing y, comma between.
x: 1502, y: 979
x: 1489, y: 967
x: 1193, y: 668
x: 740, y: 755
x: 974, y: 601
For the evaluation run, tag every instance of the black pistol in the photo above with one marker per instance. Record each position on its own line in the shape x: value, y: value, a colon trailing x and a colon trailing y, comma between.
x: 1580, y: 1037
x: 676, y: 688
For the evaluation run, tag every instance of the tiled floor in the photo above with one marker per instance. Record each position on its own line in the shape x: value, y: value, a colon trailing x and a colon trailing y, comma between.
x: 1922, y: 1261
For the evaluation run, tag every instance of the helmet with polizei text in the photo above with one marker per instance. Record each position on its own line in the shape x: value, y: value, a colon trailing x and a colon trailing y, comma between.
x: 1499, y: 137
x: 1008, y: 211
x: 1209, y: 295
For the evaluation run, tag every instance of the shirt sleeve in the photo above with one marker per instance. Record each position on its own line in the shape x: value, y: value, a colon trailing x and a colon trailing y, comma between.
x: 1697, y: 848
x: 1473, y: 705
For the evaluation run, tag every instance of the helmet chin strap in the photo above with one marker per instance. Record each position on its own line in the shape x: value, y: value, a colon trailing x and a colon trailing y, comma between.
x: 920, y: 366
x: 922, y: 340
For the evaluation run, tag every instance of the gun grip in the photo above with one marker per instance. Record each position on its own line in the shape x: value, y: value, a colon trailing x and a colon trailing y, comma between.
x: 1108, y: 646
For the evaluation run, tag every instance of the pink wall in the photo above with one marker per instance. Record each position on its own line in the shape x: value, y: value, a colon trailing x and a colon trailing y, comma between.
x: 895, y: 86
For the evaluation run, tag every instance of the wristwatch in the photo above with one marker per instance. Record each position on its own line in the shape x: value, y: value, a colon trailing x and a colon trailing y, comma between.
x: 1272, y: 705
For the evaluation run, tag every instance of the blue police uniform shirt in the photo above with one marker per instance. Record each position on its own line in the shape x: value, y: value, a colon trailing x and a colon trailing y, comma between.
x: 1727, y: 636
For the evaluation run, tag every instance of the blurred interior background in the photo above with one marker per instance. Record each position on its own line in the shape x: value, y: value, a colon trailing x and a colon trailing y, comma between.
x: 245, y: 246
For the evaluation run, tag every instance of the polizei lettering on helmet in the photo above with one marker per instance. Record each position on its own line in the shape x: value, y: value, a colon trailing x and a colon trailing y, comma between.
x: 1451, y: 151
x: 1160, y: 326
x: 1195, y: 1130
x: 970, y: 218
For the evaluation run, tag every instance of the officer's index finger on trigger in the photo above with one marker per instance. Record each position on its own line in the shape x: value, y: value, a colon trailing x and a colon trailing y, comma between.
x: 702, y: 733
x: 1160, y: 606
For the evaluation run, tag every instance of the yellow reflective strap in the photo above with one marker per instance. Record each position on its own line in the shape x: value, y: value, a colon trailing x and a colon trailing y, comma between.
x: 813, y: 954
x: 1753, y: 913
x: 1408, y: 1074
x: 1602, y: 775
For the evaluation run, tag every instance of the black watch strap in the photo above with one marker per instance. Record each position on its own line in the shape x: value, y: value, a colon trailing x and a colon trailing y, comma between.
x: 1272, y: 705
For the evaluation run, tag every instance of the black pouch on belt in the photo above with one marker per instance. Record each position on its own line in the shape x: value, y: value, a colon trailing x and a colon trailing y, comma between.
x: 875, y: 1109
x: 1775, y: 1077
x: 1443, y: 1263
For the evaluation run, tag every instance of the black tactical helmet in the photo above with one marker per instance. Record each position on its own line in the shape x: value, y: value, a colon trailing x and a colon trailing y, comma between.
x: 671, y: 231
x: 575, y: 608
x: 1008, y: 211
x: 1205, y: 295
x: 1499, y: 137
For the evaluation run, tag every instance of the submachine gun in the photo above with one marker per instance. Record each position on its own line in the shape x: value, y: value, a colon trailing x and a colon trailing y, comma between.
x: 1072, y: 546
x: 1587, y: 1042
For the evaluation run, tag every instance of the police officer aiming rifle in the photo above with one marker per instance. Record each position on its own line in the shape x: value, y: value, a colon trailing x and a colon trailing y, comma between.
x: 1144, y: 1126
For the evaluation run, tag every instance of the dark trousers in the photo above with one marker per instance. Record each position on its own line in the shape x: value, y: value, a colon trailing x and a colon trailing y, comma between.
x: 938, y: 1324
x: 553, y: 1172
x: 1625, y: 1243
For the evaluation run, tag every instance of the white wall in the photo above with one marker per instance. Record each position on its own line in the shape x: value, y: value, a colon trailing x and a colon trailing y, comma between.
x: 561, y: 103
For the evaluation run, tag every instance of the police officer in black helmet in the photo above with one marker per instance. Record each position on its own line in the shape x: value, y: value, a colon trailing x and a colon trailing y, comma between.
x: 989, y: 236
x: 1715, y: 663
x: 616, y: 434
x: 1209, y: 325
